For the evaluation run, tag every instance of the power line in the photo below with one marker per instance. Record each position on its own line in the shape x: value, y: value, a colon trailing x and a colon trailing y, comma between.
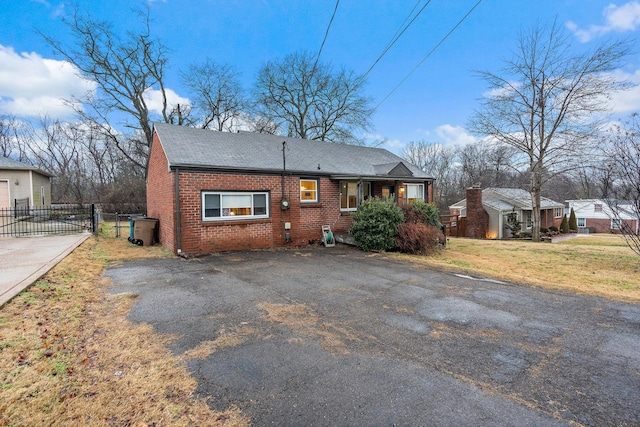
x: 399, y: 33
x: 429, y: 54
x: 326, y: 34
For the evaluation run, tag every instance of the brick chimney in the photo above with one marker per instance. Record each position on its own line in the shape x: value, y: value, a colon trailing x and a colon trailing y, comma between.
x: 477, y: 217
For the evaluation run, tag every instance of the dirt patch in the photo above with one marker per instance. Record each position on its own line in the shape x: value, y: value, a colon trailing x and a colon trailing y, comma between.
x: 224, y: 340
x: 304, y: 320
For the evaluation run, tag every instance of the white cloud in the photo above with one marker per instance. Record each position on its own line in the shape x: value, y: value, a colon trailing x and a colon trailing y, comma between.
x: 618, y: 18
x: 153, y: 98
x: 627, y: 101
x: 455, y: 135
x: 31, y: 85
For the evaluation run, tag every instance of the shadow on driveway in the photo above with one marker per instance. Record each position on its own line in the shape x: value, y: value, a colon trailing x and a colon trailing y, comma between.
x: 335, y: 336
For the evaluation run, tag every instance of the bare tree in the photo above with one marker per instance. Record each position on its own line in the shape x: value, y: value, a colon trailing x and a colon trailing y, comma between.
x: 217, y: 98
x: 12, y: 138
x: 312, y: 102
x: 441, y: 162
x: 548, y: 103
x: 623, y: 190
x: 124, y: 68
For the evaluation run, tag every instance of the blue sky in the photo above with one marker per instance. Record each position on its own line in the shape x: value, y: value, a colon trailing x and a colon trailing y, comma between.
x: 433, y: 104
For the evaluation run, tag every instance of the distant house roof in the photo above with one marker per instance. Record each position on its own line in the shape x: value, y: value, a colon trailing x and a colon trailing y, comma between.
x: 10, y: 164
x: 194, y: 148
x: 506, y: 199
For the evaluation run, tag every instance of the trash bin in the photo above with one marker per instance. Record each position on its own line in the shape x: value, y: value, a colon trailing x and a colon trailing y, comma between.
x: 144, y: 231
x: 131, y: 220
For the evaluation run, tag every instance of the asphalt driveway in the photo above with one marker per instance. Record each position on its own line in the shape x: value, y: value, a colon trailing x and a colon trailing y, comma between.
x: 335, y: 336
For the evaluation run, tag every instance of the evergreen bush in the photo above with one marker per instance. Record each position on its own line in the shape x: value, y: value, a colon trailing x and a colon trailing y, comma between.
x: 573, y: 221
x: 375, y: 224
x: 564, y: 225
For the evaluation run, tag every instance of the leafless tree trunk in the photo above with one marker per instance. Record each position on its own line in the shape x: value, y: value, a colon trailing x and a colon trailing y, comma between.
x: 312, y: 102
x: 623, y: 192
x: 548, y: 104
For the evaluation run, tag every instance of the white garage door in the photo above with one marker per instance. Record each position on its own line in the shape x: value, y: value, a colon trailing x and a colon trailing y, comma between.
x: 4, y: 195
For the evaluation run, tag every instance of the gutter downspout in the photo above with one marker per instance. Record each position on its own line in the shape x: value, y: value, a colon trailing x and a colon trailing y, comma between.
x: 177, y: 219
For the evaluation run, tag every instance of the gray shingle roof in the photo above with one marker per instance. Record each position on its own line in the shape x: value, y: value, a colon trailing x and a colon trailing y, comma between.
x: 248, y: 151
x: 10, y: 164
x: 506, y: 199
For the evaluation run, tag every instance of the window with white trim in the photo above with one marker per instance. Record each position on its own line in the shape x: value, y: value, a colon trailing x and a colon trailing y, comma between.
x: 582, y: 222
x: 308, y: 190
x: 558, y: 212
x: 348, y: 196
x: 414, y: 192
x: 227, y: 205
x: 528, y: 219
x: 616, y: 223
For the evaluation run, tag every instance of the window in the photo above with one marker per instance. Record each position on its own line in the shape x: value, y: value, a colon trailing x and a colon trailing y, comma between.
x: 582, y: 222
x: 597, y: 208
x: 616, y: 223
x: 415, y: 192
x: 557, y: 212
x: 528, y: 219
x: 348, y: 196
x: 308, y: 190
x: 229, y: 205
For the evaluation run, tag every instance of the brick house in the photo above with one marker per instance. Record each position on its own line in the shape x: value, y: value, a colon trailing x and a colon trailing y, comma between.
x: 486, y: 211
x: 596, y: 215
x: 218, y: 191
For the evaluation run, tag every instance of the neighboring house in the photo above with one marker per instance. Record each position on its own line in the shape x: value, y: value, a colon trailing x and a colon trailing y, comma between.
x: 487, y: 211
x: 23, y: 185
x: 216, y: 191
x: 596, y: 215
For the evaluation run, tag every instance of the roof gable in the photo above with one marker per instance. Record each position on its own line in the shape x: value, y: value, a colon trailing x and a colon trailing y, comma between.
x: 507, y: 199
x: 10, y: 164
x: 187, y: 147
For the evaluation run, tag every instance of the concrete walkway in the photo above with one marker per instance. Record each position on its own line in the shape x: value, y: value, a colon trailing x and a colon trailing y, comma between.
x: 23, y: 260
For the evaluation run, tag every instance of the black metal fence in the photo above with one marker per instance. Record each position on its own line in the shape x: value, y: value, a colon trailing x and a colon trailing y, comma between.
x: 55, y: 219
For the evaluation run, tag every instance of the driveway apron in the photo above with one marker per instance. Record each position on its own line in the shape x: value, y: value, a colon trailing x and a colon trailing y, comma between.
x: 335, y: 336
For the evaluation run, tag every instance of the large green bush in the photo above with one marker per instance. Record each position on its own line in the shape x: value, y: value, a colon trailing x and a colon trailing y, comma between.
x: 421, y: 212
x: 375, y: 224
x: 564, y: 225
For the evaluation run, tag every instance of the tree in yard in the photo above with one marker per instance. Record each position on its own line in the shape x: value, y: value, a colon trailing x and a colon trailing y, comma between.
x: 623, y: 190
x: 303, y: 99
x: 548, y: 104
x: 573, y: 221
x: 217, y: 98
x: 125, y: 69
x: 564, y: 225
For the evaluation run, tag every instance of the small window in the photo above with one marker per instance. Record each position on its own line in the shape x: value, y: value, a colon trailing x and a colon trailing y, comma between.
x: 415, y: 192
x: 308, y: 190
x: 597, y: 208
x: 348, y: 196
x: 616, y: 224
x: 557, y: 212
x: 217, y: 206
x: 582, y: 222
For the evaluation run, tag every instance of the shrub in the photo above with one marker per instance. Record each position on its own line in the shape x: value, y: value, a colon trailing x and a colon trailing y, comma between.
x: 422, y: 212
x: 573, y: 221
x: 375, y: 224
x: 564, y: 225
x: 553, y: 228
x: 417, y: 238
x: 544, y: 230
x: 526, y: 234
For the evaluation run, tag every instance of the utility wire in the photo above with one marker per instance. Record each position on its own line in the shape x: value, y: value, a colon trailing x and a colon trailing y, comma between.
x: 396, y: 37
x: 429, y: 54
x: 326, y: 34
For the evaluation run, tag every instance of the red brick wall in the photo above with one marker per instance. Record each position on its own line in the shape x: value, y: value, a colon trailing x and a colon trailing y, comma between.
x: 161, y: 194
x: 213, y: 236
x: 477, y: 217
x: 604, y: 225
